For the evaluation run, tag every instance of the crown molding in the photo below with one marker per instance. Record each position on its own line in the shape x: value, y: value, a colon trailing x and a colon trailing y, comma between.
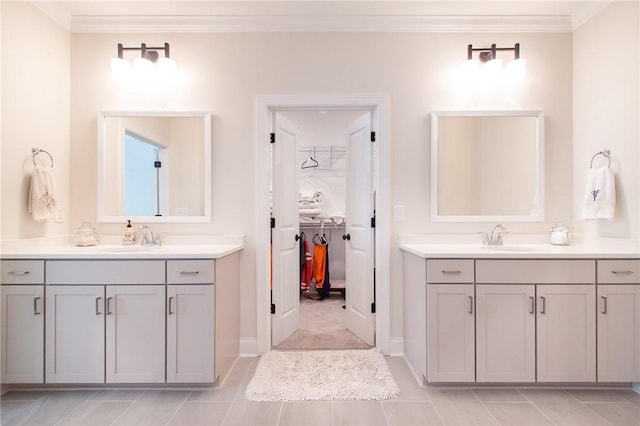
x: 227, y: 24
x: 586, y: 13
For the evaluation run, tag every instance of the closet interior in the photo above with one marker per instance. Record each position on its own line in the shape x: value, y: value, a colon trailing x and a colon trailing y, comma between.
x: 322, y: 176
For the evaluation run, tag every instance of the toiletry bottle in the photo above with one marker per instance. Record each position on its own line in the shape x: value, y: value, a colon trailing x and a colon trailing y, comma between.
x: 129, y: 237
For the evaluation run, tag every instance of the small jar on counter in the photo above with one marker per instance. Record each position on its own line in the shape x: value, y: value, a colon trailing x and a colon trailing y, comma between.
x: 559, y: 235
x: 86, y: 235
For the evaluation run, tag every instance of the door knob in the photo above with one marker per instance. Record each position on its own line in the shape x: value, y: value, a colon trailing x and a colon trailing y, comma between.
x: 297, y: 237
x: 346, y: 237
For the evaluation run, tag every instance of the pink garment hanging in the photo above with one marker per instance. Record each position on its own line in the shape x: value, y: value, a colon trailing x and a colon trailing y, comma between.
x: 305, y: 277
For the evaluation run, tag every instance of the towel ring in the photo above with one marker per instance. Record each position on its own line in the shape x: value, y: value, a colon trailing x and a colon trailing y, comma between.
x: 605, y: 153
x: 35, y: 151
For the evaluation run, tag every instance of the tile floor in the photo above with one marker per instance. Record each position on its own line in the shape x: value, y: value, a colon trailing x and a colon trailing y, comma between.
x: 415, y: 406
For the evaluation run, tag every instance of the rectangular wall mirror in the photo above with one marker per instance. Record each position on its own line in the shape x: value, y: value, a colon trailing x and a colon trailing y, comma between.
x: 487, y: 166
x: 154, y: 166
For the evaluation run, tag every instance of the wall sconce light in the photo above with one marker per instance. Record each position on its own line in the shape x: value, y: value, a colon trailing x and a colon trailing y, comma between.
x: 489, y: 67
x: 148, y: 68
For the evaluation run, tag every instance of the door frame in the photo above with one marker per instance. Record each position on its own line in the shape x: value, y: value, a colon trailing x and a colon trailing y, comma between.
x: 379, y: 105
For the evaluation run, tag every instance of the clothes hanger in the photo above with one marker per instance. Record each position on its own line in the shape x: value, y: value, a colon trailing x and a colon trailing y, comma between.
x: 311, y: 163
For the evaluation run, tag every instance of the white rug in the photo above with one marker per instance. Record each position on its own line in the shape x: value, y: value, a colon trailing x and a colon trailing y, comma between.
x: 322, y: 375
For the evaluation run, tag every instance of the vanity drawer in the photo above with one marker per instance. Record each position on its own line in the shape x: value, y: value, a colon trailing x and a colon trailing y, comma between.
x: 450, y: 270
x: 535, y: 271
x: 619, y: 271
x: 190, y: 271
x: 105, y: 272
x: 23, y: 272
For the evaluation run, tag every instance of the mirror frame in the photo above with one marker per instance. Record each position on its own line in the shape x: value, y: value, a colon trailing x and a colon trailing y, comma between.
x: 537, y: 216
x: 207, y: 149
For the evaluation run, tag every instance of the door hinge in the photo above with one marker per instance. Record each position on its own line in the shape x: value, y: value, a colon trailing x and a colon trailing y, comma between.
x: 373, y: 308
x: 273, y: 222
x: 272, y: 138
x: 373, y: 222
x: 273, y: 308
x: 157, y: 164
x: 373, y: 136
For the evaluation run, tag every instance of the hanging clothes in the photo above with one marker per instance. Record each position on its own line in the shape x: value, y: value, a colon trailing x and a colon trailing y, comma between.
x: 305, y: 264
x: 326, y: 285
x: 319, y: 264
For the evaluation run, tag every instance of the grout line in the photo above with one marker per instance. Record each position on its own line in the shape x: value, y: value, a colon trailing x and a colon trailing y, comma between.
x: 74, y: 409
x: 179, y: 407
x: 538, y: 408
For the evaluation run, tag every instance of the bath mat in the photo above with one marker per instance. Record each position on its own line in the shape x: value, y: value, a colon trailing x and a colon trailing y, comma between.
x: 361, y: 374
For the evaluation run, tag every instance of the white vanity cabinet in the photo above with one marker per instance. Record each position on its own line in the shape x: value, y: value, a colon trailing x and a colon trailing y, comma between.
x: 564, y: 322
x: 105, y: 321
x: 505, y: 333
x: 618, y: 306
x: 450, y: 321
x: 190, y: 321
x: 22, y: 322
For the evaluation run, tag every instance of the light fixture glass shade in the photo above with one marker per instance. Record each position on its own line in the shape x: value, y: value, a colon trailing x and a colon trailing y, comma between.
x: 121, y: 71
x: 516, y: 70
x: 470, y: 71
x: 493, y: 70
x: 166, y: 65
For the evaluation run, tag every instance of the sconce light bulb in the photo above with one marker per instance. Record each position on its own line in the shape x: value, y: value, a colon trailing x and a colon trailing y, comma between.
x: 516, y: 70
x: 121, y: 71
x: 493, y: 70
x: 470, y: 71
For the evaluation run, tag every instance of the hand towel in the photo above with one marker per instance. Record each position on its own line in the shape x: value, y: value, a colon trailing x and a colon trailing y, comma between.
x: 42, y: 194
x: 600, y: 195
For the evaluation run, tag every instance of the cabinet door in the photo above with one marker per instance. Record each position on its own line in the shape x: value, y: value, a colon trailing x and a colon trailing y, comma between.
x: 135, y: 343
x: 190, y: 334
x: 566, y: 332
x: 505, y: 333
x: 619, y: 333
x: 75, y: 334
x: 22, y: 333
x: 450, y: 333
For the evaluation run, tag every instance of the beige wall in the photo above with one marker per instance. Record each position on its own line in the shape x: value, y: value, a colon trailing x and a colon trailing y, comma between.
x: 225, y: 72
x: 606, y: 112
x: 35, y: 112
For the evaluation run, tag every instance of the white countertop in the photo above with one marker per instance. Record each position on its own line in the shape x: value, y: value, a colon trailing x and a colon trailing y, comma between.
x: 202, y: 247
x: 528, y: 247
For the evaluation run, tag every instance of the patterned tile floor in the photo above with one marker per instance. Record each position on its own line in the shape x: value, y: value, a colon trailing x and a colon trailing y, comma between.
x: 415, y: 406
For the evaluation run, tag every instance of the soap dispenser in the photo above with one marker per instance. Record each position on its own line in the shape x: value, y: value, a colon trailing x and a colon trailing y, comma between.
x: 129, y: 236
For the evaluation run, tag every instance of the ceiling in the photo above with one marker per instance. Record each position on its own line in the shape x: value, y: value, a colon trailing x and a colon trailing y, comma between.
x: 321, y: 15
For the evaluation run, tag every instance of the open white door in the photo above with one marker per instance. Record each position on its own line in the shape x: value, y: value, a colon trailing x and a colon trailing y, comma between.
x: 286, y: 255
x: 359, y: 234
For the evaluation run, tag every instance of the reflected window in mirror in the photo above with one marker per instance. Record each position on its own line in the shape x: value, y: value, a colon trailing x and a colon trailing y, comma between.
x: 154, y: 167
x: 487, y: 166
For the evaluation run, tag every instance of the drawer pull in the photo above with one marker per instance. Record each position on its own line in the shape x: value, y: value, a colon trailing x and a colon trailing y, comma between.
x: 625, y: 272
x: 98, y: 305
x: 109, y: 305
x: 604, y: 305
x: 18, y: 272
x: 532, y: 305
x: 543, y: 308
x: 170, y: 310
x: 471, y: 304
x: 35, y: 306
x: 451, y: 271
x: 189, y: 272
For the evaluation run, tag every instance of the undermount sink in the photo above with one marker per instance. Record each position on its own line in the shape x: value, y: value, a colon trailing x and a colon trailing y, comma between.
x: 508, y: 248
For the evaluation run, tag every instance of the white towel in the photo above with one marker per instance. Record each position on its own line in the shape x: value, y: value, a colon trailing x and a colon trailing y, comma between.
x: 42, y: 194
x: 600, y: 195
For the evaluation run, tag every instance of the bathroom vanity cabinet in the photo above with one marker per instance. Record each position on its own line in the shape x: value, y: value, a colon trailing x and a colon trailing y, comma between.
x: 118, y: 320
x: 524, y: 320
x: 22, y: 322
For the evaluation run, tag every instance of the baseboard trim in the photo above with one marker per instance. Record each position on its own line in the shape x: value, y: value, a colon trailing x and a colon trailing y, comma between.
x: 248, y: 348
x: 396, y: 346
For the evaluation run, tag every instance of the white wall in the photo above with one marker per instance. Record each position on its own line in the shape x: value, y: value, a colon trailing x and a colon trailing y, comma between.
x: 35, y: 112
x: 225, y: 72
x: 606, y: 112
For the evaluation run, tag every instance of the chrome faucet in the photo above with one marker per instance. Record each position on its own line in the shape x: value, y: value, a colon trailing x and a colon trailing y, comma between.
x: 496, y: 236
x: 148, y: 239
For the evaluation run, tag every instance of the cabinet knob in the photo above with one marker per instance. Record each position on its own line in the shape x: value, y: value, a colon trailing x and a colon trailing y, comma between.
x: 35, y: 306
